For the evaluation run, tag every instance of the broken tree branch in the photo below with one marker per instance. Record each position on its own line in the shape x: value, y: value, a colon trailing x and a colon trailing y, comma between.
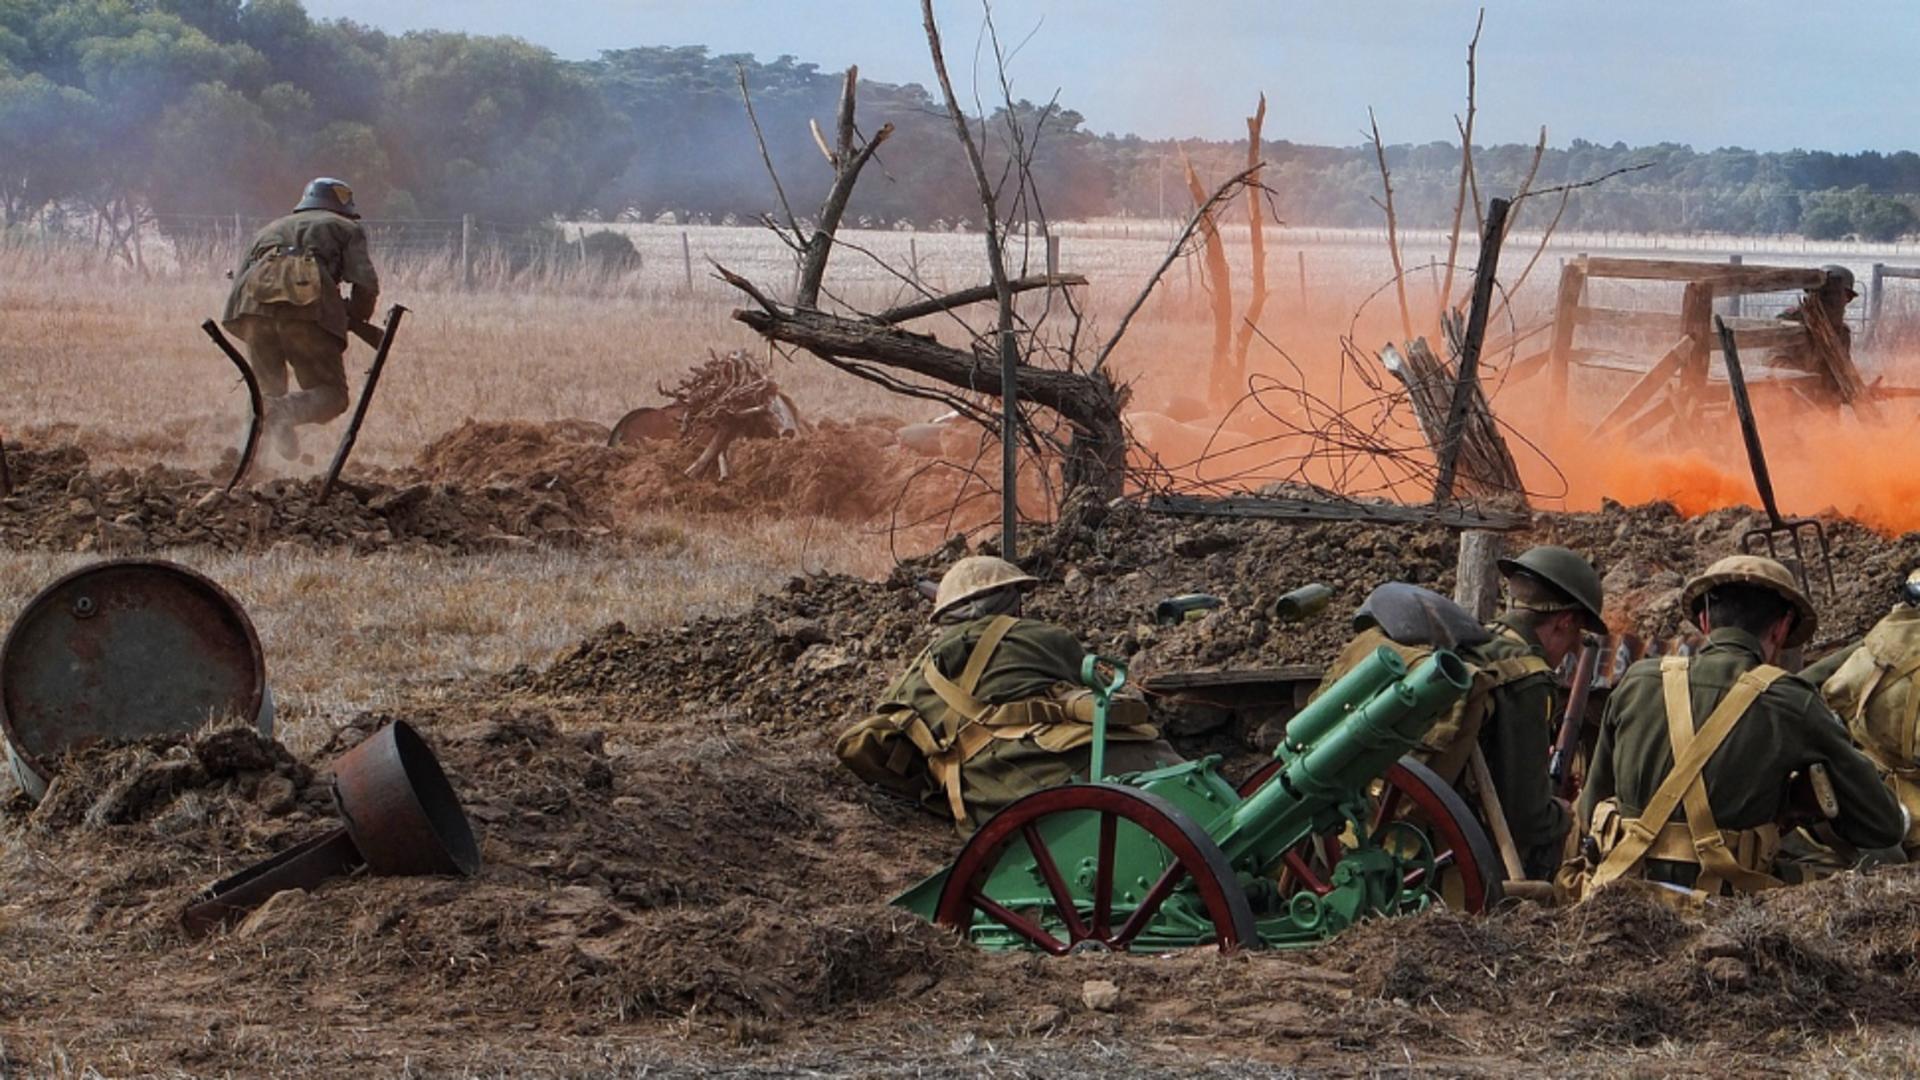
x: 976, y: 295
x: 847, y: 163
x: 1469, y: 376
x: 799, y: 238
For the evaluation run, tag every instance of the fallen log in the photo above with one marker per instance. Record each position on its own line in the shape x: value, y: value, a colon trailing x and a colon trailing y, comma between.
x: 1090, y: 403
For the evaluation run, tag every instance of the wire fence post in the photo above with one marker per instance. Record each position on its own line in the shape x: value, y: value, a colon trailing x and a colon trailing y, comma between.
x: 686, y: 257
x: 466, y: 251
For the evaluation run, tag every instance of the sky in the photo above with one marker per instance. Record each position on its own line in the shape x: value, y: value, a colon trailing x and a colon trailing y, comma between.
x: 1762, y: 74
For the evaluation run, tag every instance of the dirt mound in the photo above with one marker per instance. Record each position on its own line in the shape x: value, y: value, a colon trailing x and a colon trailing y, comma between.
x: 1625, y: 968
x: 480, y: 487
x: 60, y: 504
x: 845, y: 472
x: 823, y: 648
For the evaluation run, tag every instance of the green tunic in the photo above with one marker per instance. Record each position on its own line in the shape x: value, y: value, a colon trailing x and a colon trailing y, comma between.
x: 1517, y: 740
x: 1032, y: 659
x: 1787, y: 730
x: 339, y: 245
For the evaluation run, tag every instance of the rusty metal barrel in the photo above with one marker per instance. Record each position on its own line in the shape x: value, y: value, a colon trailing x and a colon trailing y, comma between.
x: 122, y: 650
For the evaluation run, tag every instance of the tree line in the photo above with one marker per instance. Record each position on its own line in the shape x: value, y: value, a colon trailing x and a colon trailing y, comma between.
x: 178, y: 108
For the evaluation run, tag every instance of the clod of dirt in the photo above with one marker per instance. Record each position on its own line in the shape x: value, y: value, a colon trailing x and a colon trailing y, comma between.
x: 123, y: 784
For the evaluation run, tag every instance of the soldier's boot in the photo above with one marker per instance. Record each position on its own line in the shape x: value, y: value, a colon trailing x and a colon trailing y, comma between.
x: 278, y: 425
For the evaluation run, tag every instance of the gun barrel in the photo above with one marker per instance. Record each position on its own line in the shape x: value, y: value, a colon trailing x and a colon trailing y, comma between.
x: 1362, y: 745
x: 1354, y: 689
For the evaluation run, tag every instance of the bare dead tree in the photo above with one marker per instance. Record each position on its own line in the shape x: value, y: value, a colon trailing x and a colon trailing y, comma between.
x: 1257, y: 298
x: 1393, y: 229
x: 1220, y: 292
x: 1466, y: 170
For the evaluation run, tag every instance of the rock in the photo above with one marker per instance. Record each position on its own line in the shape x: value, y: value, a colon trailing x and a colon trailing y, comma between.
x: 1729, y: 972
x: 801, y: 631
x: 1043, y: 1019
x: 211, y: 500
x: 80, y: 509
x: 406, y: 498
x: 1717, y: 943
x: 282, y: 910
x: 276, y: 794
x: 1100, y: 995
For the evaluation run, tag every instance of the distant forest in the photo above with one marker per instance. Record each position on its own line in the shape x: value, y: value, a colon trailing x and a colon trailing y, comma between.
x: 215, y: 107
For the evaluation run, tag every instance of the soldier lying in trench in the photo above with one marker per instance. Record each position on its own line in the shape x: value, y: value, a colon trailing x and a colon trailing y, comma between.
x: 993, y: 709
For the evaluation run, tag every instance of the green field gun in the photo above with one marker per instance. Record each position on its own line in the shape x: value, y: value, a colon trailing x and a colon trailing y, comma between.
x: 1337, y: 828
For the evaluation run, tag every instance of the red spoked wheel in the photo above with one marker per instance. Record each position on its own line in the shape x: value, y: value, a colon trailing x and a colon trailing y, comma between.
x: 645, y: 423
x: 1083, y: 822
x: 1469, y: 872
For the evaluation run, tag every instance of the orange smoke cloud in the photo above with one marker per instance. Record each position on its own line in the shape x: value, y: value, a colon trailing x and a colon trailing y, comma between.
x: 1820, y: 463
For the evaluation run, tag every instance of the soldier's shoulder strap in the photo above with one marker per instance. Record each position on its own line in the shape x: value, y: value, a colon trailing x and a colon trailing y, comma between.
x: 1691, y: 751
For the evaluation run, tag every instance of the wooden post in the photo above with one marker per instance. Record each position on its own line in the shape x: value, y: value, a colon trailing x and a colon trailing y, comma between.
x: 1009, y: 444
x: 466, y: 251
x: 1301, y: 258
x: 913, y: 258
x: 1874, y: 285
x: 686, y: 257
x: 1566, y: 310
x: 1734, y: 304
x: 1053, y: 254
x: 1696, y: 321
x: 1476, y: 584
x: 1469, y: 374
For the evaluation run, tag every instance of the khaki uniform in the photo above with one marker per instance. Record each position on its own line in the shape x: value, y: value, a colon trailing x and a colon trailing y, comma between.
x: 1874, y: 686
x: 1786, y: 729
x: 290, y: 313
x: 993, y: 710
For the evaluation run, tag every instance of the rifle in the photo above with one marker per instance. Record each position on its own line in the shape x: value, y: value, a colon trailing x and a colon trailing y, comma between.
x: 1559, y: 766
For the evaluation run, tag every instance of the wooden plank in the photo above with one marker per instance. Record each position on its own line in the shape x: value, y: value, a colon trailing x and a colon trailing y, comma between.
x: 1659, y: 376
x: 1276, y: 677
x: 1573, y: 282
x: 1780, y: 335
x: 1621, y: 319
x: 1749, y: 332
x: 1696, y: 319
x: 1723, y: 278
x: 1909, y: 272
x: 1282, y: 508
x: 1526, y: 368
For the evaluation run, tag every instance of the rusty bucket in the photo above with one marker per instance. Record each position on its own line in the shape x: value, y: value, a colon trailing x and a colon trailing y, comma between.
x: 120, y: 650
x: 400, y: 808
x: 401, y: 817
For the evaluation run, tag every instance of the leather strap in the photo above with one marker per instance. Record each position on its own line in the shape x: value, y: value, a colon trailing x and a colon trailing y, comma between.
x: 1691, y: 751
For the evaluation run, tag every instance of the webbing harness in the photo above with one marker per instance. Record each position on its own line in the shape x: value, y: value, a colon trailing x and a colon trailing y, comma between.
x: 1725, y: 856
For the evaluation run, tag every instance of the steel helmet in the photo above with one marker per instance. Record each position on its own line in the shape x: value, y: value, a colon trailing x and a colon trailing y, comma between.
x: 974, y: 576
x: 326, y: 193
x: 1841, y: 277
x: 1760, y: 572
x: 1565, y: 570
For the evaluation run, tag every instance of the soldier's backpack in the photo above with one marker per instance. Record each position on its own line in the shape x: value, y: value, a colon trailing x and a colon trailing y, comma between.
x: 973, y: 755
x: 1448, y: 743
x: 286, y: 275
x: 1877, y: 692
